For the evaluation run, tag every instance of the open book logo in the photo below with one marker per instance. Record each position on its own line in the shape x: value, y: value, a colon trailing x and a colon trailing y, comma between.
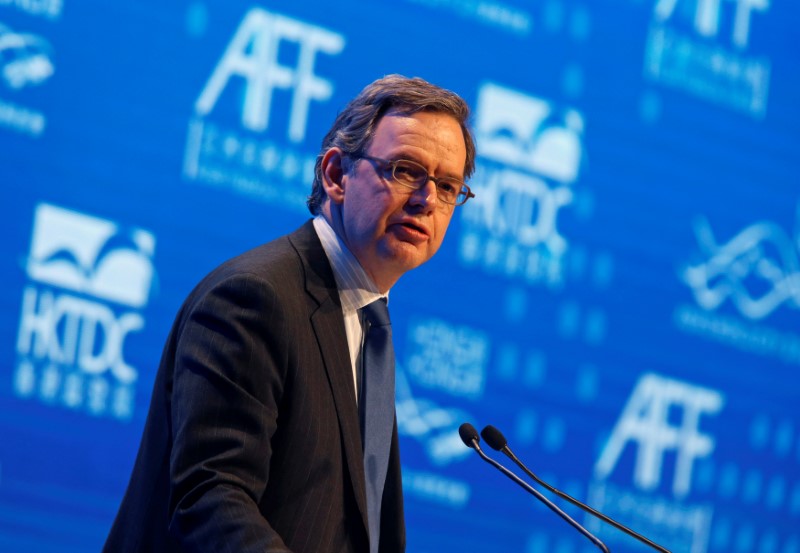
x: 92, y: 256
x: 528, y: 133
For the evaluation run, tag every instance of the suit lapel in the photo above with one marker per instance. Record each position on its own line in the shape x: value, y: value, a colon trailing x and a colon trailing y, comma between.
x: 328, y: 325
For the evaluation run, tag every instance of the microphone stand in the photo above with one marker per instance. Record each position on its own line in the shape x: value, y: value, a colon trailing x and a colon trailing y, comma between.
x: 472, y: 442
x: 494, y: 438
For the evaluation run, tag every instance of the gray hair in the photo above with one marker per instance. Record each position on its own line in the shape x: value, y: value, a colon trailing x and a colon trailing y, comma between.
x: 354, y: 128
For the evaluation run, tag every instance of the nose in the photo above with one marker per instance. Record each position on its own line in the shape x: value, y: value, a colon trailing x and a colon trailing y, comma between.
x: 425, y: 196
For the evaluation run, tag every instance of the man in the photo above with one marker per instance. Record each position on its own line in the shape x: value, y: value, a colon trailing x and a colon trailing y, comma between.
x: 259, y: 435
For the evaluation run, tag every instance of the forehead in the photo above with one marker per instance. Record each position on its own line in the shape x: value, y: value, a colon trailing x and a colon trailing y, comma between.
x: 425, y: 136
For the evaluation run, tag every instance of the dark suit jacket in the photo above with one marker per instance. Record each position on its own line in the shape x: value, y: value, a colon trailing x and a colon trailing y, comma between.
x: 252, y: 441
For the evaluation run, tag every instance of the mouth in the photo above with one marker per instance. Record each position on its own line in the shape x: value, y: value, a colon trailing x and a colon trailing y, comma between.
x: 415, y: 226
x: 412, y: 230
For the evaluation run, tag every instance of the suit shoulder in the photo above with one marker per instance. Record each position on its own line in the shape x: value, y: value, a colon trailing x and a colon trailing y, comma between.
x: 275, y: 263
x: 281, y: 264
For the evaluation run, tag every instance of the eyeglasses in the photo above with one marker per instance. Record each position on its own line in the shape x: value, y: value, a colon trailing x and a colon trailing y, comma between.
x: 414, y: 176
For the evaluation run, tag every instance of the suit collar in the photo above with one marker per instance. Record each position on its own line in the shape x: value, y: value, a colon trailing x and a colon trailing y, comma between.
x: 328, y: 325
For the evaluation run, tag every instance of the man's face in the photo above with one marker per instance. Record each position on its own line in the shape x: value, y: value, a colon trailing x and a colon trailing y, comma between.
x: 389, y: 228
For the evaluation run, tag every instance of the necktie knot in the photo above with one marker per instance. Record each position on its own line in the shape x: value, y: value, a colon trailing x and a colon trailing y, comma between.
x: 377, y: 313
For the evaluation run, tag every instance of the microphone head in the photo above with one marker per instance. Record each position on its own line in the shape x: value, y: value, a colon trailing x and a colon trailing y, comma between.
x: 468, y: 435
x: 494, y: 438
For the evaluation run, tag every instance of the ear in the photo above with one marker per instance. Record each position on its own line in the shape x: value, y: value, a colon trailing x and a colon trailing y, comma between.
x: 334, y: 175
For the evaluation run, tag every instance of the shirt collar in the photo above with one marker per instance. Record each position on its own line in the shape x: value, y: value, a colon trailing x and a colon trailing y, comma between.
x: 356, y: 288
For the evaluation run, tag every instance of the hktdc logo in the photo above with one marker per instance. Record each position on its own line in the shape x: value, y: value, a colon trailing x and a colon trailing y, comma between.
x: 88, y: 281
x: 531, y: 155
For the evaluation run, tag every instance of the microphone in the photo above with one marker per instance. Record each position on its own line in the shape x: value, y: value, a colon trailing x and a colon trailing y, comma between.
x: 470, y: 438
x: 498, y: 442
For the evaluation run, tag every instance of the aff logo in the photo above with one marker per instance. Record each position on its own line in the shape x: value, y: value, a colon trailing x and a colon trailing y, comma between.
x: 271, y: 64
x: 758, y: 270
x: 649, y: 423
x: 88, y: 281
x: 690, y: 47
x: 253, y: 55
x: 25, y: 59
x: 709, y: 13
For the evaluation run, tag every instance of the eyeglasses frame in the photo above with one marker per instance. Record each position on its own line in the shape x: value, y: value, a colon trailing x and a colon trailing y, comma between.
x: 392, y: 164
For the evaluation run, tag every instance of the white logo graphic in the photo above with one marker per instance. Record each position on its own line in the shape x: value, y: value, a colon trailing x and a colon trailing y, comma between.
x: 436, y: 428
x: 253, y: 54
x: 87, y: 255
x: 758, y: 269
x: 511, y: 227
x: 524, y: 132
x: 708, y: 14
x: 49, y: 9
x: 70, y: 344
x: 448, y: 357
x: 25, y: 58
x: 648, y: 422
x: 253, y: 70
x: 702, y: 62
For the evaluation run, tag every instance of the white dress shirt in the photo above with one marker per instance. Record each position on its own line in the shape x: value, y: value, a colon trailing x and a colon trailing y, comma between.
x: 356, y: 289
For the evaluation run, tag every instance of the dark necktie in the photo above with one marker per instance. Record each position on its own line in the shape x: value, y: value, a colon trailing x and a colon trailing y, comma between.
x: 377, y: 409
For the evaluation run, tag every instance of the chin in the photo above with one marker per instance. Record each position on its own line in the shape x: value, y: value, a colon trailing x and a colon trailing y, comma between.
x: 404, y: 256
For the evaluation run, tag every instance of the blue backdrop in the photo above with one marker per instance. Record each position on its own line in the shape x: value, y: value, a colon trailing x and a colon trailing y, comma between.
x: 622, y: 298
